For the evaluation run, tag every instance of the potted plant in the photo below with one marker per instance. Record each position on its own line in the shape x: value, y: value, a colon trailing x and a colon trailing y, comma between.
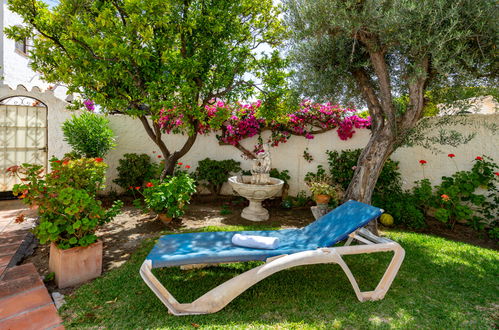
x: 169, y: 197
x: 322, y: 192
x: 322, y: 188
x: 69, y: 214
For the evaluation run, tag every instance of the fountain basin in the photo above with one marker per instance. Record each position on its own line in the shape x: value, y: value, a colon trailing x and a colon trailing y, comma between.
x: 256, y: 194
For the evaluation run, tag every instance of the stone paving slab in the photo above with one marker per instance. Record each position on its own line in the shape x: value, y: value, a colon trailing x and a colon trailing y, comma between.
x: 24, y: 300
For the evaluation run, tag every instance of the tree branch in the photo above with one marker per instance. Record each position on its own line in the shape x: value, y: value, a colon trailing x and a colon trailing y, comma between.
x: 154, y: 137
x: 414, y: 111
x: 367, y: 90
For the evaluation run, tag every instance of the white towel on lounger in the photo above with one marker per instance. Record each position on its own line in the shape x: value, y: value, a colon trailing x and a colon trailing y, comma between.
x: 256, y: 242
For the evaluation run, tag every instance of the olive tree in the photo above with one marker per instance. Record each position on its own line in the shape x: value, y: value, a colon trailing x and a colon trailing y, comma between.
x: 152, y: 59
x: 378, y: 50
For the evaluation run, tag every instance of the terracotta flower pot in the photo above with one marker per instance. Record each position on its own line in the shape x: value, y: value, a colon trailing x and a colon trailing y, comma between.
x: 164, y: 218
x: 76, y: 265
x: 322, y: 199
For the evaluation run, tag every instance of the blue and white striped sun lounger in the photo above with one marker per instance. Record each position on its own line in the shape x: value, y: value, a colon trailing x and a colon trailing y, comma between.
x: 309, y: 245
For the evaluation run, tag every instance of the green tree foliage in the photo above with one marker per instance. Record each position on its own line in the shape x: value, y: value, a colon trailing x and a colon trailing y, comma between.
x: 137, y: 57
x: 375, y: 51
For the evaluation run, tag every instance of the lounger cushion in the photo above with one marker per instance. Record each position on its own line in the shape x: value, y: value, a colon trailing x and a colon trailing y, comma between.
x: 216, y: 247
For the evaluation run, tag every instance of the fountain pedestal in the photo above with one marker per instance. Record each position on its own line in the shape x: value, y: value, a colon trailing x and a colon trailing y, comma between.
x: 255, y: 211
x: 256, y: 194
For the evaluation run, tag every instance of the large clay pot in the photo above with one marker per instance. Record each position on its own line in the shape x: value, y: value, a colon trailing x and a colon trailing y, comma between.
x: 322, y: 199
x: 164, y: 218
x: 76, y: 265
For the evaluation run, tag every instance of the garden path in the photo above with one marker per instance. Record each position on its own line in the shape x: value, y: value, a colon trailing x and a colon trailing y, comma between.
x: 24, y: 300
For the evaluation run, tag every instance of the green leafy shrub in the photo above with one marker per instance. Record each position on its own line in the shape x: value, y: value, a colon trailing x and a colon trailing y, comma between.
x: 169, y: 196
x: 69, y: 212
x: 458, y: 197
x: 283, y: 175
x: 300, y: 200
x: 388, y: 193
x: 403, y: 208
x: 89, y: 135
x: 320, y: 175
x: 214, y: 173
x: 134, y: 170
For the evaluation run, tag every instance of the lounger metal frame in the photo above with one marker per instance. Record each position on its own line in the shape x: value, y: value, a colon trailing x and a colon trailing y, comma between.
x: 217, y: 298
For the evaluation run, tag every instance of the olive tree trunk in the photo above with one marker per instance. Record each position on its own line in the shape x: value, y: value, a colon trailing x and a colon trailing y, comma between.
x: 369, y: 167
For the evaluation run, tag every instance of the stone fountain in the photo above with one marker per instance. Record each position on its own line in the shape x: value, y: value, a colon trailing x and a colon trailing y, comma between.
x: 257, y: 187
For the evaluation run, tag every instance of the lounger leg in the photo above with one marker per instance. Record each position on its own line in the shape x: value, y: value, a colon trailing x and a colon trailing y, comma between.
x: 388, y: 276
x: 217, y: 298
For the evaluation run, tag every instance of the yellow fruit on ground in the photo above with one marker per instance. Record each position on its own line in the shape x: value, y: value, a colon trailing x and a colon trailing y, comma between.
x: 386, y: 220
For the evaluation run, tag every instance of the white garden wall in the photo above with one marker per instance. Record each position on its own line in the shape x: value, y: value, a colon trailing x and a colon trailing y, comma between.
x: 131, y: 138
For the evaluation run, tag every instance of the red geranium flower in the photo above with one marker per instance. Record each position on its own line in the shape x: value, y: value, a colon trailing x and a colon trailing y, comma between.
x: 57, y: 161
x: 99, y: 160
x: 130, y: 187
x: 180, y: 164
x: 159, y: 156
x: 187, y: 166
x: 445, y: 197
x: 451, y: 155
x: 478, y: 158
x: 422, y: 161
x: 66, y: 162
x: 149, y: 184
x: 137, y: 188
x: 496, y: 173
x: 20, y: 218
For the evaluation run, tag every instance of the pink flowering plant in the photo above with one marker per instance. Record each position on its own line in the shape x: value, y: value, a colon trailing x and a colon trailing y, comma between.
x: 246, y: 121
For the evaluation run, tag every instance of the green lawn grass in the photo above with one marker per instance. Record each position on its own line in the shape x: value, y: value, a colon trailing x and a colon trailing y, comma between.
x: 441, y: 284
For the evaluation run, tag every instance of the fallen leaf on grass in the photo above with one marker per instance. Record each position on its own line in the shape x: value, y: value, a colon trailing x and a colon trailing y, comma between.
x: 112, y: 301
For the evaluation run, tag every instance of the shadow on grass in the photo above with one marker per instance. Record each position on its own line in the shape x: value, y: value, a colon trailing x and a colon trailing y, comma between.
x: 441, y: 284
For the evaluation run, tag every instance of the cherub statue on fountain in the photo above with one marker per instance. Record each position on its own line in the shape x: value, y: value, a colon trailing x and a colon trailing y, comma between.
x: 261, y: 166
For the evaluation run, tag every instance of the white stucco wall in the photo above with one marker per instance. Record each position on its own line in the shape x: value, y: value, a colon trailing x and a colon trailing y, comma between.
x: 131, y: 138
x: 486, y: 142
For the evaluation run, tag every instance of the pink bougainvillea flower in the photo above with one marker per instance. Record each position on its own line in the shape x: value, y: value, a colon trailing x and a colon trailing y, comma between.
x: 445, y: 197
x: 149, y: 184
x: 89, y: 104
x: 478, y: 158
x: 451, y: 155
x: 422, y: 162
x: 99, y: 160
